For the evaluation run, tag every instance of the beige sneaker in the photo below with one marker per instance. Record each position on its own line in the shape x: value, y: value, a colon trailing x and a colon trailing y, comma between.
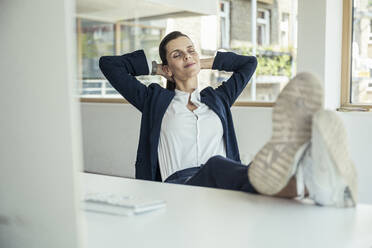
x: 274, y: 164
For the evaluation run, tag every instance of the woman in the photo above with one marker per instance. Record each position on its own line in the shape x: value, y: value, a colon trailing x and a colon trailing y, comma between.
x: 188, y: 137
x: 181, y: 128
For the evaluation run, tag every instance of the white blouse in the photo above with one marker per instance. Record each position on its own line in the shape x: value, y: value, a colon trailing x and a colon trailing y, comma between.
x: 188, y: 138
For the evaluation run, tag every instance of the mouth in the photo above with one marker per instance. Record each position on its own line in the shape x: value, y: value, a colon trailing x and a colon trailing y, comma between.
x: 189, y: 65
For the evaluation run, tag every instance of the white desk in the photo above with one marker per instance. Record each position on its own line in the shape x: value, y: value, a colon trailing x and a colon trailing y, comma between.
x: 204, y: 217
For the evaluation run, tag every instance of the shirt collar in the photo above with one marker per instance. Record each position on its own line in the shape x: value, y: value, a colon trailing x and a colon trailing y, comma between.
x: 184, y: 97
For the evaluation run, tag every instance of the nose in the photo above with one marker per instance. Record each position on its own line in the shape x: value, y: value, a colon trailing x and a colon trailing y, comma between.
x: 187, y: 56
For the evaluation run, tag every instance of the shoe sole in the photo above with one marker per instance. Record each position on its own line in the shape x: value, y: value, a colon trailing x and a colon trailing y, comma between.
x: 272, y: 167
x: 334, y: 137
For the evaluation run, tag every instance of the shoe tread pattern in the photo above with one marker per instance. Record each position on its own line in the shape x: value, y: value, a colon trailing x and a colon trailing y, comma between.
x: 272, y: 166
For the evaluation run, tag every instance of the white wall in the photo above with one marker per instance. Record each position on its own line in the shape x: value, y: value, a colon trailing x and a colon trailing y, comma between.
x: 40, y: 125
x: 111, y: 132
x: 320, y: 43
x: 360, y: 138
x: 110, y: 138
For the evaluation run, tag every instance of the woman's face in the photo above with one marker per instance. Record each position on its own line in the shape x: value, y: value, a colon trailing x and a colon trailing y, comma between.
x: 183, y: 60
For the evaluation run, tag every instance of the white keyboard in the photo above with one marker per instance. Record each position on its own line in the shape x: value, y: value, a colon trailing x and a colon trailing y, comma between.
x: 120, y: 204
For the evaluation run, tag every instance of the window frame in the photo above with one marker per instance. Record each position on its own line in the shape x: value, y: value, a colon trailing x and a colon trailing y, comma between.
x: 346, y: 57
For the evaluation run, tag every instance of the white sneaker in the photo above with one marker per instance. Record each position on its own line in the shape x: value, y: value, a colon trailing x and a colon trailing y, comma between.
x: 327, y: 170
x: 274, y: 164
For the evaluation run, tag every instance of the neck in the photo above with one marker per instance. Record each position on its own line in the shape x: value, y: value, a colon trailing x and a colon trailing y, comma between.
x: 188, y: 85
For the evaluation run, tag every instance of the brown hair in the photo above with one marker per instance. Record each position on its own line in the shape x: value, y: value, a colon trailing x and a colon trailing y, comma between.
x: 163, y: 52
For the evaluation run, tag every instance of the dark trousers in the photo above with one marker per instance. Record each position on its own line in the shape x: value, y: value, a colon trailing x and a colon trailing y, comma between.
x: 217, y: 172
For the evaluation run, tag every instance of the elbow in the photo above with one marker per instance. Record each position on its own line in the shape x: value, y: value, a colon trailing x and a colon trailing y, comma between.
x: 102, y: 62
x: 254, y: 62
x: 251, y: 64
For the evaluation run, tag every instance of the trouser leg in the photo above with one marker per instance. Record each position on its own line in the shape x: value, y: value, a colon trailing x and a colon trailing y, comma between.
x: 223, y: 173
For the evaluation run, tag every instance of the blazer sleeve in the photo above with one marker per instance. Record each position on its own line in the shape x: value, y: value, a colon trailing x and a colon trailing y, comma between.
x: 242, y: 67
x: 120, y: 71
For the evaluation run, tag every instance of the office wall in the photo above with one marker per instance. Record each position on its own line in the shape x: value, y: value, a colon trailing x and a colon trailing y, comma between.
x: 111, y: 133
x: 320, y: 43
x: 40, y: 142
x: 110, y: 139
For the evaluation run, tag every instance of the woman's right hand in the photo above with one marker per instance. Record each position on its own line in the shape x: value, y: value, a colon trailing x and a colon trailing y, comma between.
x: 160, y: 71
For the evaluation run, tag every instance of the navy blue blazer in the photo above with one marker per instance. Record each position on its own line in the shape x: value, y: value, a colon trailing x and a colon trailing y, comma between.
x: 153, y: 101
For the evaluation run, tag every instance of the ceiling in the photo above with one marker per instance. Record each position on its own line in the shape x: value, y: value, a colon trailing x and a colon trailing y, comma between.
x: 115, y: 10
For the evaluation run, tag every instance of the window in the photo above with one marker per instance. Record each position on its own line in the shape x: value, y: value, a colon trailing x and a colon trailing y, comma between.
x: 284, y: 29
x: 357, y: 54
x: 263, y: 27
x: 225, y: 24
x: 96, y: 39
x: 370, y: 32
x: 134, y: 36
x: 230, y: 28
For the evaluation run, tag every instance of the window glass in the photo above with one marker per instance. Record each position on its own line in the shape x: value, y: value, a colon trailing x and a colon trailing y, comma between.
x: 135, y: 37
x: 97, y: 39
x: 361, y: 83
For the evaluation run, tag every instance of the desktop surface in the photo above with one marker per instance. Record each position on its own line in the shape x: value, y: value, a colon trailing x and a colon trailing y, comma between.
x: 206, y: 217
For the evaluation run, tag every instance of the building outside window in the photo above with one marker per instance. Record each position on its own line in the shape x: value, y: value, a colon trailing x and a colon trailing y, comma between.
x: 276, y: 25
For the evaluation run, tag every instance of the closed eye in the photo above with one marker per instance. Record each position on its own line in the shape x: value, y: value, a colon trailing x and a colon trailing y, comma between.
x: 175, y: 55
